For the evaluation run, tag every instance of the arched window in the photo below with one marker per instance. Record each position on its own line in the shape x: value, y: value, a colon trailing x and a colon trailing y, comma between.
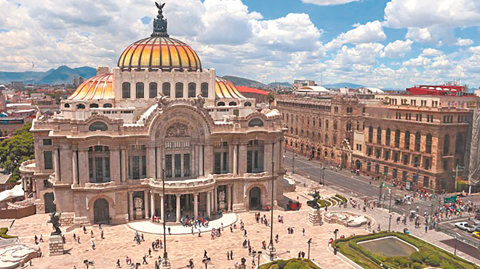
x: 379, y: 135
x: 93, y: 105
x: 335, y: 125
x: 255, y: 122
x: 204, y: 89
x: 179, y: 90
x: 107, y: 105
x: 459, y: 144
x: 166, y: 89
x: 348, y: 126
x: 232, y: 103
x: 418, y: 138
x: 248, y: 104
x: 326, y: 124
x: 308, y: 133
x: 397, y: 138
x: 98, y: 126
x: 388, y: 134
x: 80, y: 106
x: 428, y: 144
x: 326, y: 138
x: 446, y: 145
x: 319, y: 123
x: 221, y: 104
x: 192, y: 88
x: 139, y: 90
x: 152, y: 90
x: 125, y: 90
x: 407, y: 140
x: 66, y: 105
x: 370, y: 134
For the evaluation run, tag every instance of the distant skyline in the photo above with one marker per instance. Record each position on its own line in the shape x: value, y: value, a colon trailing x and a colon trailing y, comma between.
x: 379, y: 43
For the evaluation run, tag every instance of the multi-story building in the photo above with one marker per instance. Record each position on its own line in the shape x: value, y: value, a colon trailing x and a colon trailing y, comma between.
x: 158, y: 117
x: 419, y: 140
x: 321, y: 128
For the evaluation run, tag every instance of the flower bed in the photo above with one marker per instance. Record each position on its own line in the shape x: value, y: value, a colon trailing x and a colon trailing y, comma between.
x: 427, y: 256
x: 290, y: 264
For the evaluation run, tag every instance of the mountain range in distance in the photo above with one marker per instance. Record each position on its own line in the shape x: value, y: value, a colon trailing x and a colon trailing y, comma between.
x: 61, y: 75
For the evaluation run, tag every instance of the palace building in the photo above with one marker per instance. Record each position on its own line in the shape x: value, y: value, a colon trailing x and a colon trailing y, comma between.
x: 157, y: 116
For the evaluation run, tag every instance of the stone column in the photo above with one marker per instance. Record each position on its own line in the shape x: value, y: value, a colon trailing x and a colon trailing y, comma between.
x: 130, y: 209
x: 74, y: 167
x: 178, y: 209
x: 66, y: 172
x: 115, y: 164
x: 162, y: 205
x: 152, y: 204
x: 208, y: 203
x: 124, y: 164
x: 201, y: 162
x: 195, y: 205
x: 83, y: 165
x: 242, y: 158
x: 214, y: 199
x: 145, y: 202
x: 150, y: 161
x: 235, y: 159
x: 56, y: 164
x: 229, y: 197
x: 208, y: 159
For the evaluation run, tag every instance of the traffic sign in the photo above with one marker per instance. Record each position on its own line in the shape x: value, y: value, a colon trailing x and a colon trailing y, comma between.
x: 451, y: 199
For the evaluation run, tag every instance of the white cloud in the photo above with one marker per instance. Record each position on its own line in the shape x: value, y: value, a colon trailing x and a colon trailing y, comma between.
x: 328, y: 2
x: 398, y: 48
x: 363, y: 33
x: 432, y: 20
x: 417, y: 62
x: 463, y: 42
x: 431, y: 52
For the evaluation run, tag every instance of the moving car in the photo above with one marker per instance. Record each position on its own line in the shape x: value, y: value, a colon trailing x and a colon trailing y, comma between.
x: 465, y: 226
x: 476, y: 234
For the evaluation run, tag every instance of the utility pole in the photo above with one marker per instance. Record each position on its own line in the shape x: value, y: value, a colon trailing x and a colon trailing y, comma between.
x: 431, y: 209
x: 390, y: 203
x: 389, y: 221
x: 309, y: 242
x: 293, y: 161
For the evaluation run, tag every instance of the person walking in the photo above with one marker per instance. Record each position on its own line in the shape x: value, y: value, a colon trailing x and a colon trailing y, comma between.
x: 93, y: 245
x: 118, y: 263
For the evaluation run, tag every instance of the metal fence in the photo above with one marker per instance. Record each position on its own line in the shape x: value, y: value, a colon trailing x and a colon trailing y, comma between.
x: 472, y: 242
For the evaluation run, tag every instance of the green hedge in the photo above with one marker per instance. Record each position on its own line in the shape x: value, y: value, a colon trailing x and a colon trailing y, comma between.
x: 4, y: 235
x: 427, y: 256
x: 344, y: 200
x: 290, y: 264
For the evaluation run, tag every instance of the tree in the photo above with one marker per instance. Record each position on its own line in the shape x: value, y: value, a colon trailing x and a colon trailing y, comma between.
x: 17, y: 149
x: 270, y: 98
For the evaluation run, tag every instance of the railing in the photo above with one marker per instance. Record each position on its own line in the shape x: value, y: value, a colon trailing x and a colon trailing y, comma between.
x: 27, y: 166
x: 472, y: 242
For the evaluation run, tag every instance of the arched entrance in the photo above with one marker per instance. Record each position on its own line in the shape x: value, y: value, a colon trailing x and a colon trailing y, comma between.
x: 358, y: 164
x: 100, y: 211
x: 49, y: 202
x: 254, y: 198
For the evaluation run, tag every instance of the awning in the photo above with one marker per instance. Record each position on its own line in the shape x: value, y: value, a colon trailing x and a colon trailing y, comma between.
x: 17, y: 191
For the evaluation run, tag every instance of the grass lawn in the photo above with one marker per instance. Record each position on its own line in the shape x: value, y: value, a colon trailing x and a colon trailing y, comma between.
x: 427, y: 256
x: 290, y: 264
x: 4, y: 235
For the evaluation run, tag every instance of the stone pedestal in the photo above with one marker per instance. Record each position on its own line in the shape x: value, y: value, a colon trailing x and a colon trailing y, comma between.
x: 271, y: 253
x: 138, y: 214
x: 315, y: 217
x: 165, y: 264
x: 223, y: 206
x: 56, y: 245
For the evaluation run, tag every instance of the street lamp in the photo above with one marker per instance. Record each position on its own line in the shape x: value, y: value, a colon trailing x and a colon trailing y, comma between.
x: 271, y: 248
x: 309, y: 242
x: 335, y: 232
x: 455, y: 252
x: 259, y: 254
x: 165, y: 262
x: 389, y: 221
x: 293, y: 161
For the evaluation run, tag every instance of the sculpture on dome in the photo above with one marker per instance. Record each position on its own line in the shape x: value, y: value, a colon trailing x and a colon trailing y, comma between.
x: 199, y: 101
x: 160, y: 23
x: 162, y: 101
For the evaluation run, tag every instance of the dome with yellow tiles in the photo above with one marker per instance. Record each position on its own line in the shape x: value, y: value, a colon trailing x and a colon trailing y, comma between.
x: 159, y: 52
x: 98, y: 87
x: 226, y: 89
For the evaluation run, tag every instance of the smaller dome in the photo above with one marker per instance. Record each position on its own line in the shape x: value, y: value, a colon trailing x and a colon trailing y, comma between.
x: 226, y: 89
x: 98, y: 87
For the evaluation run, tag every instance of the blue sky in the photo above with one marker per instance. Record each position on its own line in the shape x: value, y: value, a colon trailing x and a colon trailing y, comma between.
x: 381, y: 43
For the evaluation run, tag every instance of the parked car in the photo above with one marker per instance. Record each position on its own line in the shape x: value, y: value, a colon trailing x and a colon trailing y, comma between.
x: 465, y: 226
x: 476, y: 234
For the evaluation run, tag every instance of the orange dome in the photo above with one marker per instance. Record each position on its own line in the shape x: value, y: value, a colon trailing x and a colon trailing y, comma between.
x: 99, y: 87
x: 226, y: 89
x: 159, y: 52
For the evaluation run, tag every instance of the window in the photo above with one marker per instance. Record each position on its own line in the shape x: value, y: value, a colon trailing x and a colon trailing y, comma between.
x: 192, y: 88
x: 369, y: 151
x: 255, y: 155
x: 416, y: 161
x: 139, y: 90
x: 387, y: 137
x: 406, y: 158
x: 248, y: 104
x: 217, y: 163
x: 152, y: 90
x: 428, y: 144
x: 370, y: 134
x: 186, y: 165
x: 397, y: 138
x: 80, y: 106
x: 232, y: 104
x: 385, y: 171
x: 48, y: 159
x: 99, y: 164
x: 107, y: 105
x: 379, y: 135
x: 386, y: 155
x: 407, y: 140
x: 47, y: 142
x: 459, y: 144
x: 426, y: 182
x: 378, y: 153
x: 404, y: 175
x: 446, y: 145
x: 93, y: 106
x: 125, y: 90
x: 445, y: 165
x: 166, y: 89
x: 168, y: 165
x: 428, y: 163
x: 394, y: 173
x: 418, y: 138
x: 255, y: 122
x: 326, y: 124
x: 221, y: 104
x: 66, y: 105
x: 179, y: 90
x: 335, y: 125
x: 98, y: 126
x: 395, y: 156
x: 204, y: 89
x: 336, y: 109
x: 178, y: 165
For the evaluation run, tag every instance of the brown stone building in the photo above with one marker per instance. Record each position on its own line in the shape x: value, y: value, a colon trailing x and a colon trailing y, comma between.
x: 321, y: 128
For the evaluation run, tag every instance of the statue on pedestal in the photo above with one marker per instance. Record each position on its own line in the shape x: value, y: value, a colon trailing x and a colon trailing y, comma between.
x: 55, y: 221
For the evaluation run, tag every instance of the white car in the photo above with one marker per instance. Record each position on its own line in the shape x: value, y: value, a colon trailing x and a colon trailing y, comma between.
x: 465, y: 226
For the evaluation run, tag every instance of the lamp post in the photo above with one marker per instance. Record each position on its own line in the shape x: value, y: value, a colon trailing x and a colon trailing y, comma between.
x: 259, y: 253
x: 335, y: 232
x: 293, y: 161
x: 165, y: 262
x: 455, y: 252
x: 271, y: 248
x: 309, y: 242
x: 389, y: 221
